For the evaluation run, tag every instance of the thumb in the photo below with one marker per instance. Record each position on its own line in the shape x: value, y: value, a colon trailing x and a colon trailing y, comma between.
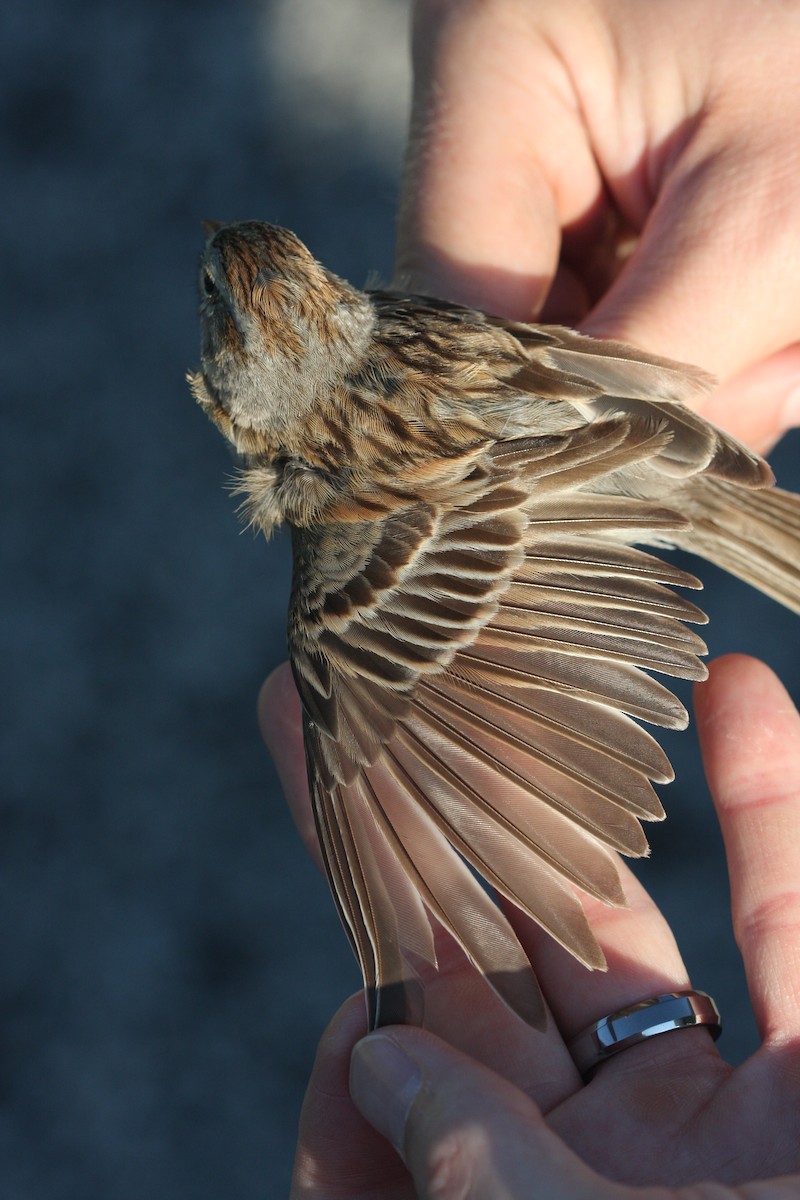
x: 460, y: 1129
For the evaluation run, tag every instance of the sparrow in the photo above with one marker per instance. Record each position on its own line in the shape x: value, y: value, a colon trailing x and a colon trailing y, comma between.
x: 473, y: 621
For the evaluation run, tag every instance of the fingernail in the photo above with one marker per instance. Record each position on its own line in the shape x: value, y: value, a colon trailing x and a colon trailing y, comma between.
x: 383, y: 1083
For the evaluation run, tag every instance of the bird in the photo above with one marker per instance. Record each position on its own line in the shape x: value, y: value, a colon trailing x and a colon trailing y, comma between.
x: 480, y: 601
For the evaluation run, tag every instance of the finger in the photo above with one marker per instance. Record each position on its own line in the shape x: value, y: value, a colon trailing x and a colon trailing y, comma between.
x: 486, y: 186
x: 339, y: 1155
x: 641, y: 952
x: 762, y: 402
x: 461, y: 1008
x: 715, y: 251
x: 461, y: 1129
x: 750, y: 734
x: 281, y: 728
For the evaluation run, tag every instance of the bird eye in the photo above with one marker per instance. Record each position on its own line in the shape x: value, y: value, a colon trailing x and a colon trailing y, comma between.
x: 209, y: 287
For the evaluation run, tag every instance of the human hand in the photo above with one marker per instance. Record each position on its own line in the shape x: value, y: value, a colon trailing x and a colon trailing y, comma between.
x: 542, y: 130
x: 500, y: 1109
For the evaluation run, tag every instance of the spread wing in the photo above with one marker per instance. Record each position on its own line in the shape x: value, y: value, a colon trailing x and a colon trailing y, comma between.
x: 470, y: 677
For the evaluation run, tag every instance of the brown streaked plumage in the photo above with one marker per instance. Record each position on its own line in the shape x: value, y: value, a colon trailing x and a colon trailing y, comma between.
x: 472, y: 619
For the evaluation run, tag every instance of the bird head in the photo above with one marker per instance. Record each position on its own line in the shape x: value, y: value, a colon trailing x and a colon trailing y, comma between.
x: 277, y: 331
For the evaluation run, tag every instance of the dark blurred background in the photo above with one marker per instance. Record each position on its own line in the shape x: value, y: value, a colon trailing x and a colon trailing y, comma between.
x: 170, y: 957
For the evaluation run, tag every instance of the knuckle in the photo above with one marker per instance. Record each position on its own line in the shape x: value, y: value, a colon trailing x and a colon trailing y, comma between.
x: 777, y: 913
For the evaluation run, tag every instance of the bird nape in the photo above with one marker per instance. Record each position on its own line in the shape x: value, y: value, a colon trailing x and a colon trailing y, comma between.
x: 473, y: 620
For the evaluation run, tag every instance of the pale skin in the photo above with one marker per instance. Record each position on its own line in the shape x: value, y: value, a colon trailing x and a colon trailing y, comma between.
x: 541, y: 127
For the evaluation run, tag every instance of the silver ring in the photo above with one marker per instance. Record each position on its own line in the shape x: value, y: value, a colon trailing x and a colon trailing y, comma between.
x: 648, y: 1018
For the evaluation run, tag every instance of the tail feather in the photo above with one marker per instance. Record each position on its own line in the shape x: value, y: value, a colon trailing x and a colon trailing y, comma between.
x: 754, y: 535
